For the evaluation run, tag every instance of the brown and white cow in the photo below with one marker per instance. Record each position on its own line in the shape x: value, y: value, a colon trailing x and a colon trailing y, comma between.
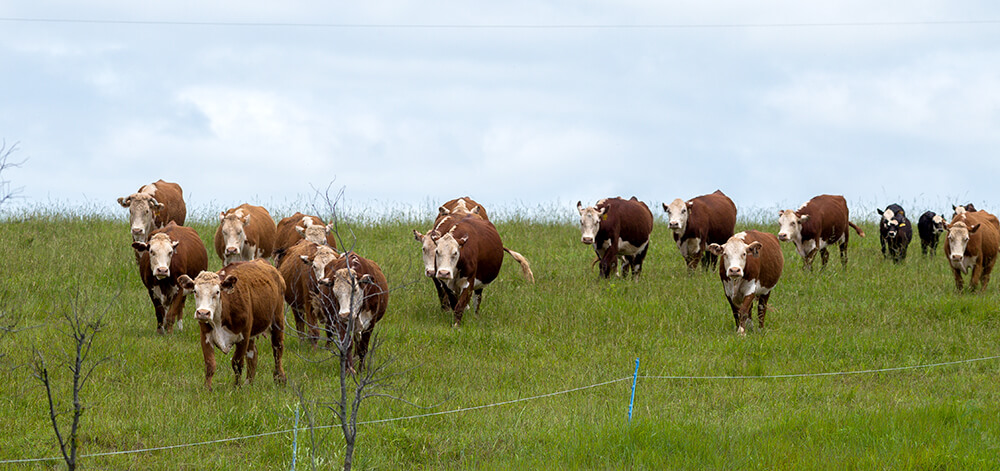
x: 973, y: 241
x: 617, y: 228
x: 302, y: 266
x: 292, y: 229
x: 353, y: 294
x: 698, y: 222
x: 172, y: 251
x: 819, y: 223
x: 448, y: 215
x: 233, y: 307
x: 245, y: 232
x: 750, y: 266
x: 153, y: 206
x: 468, y: 257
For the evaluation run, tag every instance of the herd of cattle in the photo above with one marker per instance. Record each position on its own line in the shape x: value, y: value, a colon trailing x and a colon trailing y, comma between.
x: 346, y: 294
x: 704, y: 230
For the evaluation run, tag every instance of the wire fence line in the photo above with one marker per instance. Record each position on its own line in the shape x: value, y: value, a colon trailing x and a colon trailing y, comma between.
x: 523, y: 399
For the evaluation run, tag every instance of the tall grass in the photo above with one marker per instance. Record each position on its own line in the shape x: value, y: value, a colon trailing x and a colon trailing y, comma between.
x: 570, y: 329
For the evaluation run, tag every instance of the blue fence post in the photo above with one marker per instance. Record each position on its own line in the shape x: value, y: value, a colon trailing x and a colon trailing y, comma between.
x: 295, y: 437
x: 631, y: 401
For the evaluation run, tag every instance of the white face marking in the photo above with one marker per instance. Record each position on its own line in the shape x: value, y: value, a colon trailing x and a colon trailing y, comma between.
x: 161, y: 252
x: 958, y: 241
x: 887, y: 215
x: 938, y: 224
x: 734, y: 255
x: 677, y: 212
x: 323, y: 257
x: 208, y: 297
x: 789, y: 227
x: 234, y: 236
x: 590, y: 223
x: 446, y: 256
x: 141, y: 215
x: 347, y: 291
x: 893, y: 228
x: 316, y: 234
x: 427, y: 248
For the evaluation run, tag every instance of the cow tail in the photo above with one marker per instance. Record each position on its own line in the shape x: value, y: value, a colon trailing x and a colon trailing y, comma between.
x: 857, y: 229
x: 525, y: 266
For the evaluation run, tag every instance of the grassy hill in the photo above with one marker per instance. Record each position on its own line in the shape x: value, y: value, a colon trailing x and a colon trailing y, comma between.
x: 569, y: 330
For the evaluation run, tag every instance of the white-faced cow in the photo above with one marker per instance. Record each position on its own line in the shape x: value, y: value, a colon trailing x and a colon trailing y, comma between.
x: 930, y: 226
x: 302, y: 266
x: 152, y: 207
x: 819, y: 223
x: 750, y: 268
x: 698, y: 222
x: 448, y: 215
x: 973, y: 240
x: 292, y: 229
x: 354, y: 294
x: 172, y: 251
x: 467, y: 258
x: 617, y: 228
x: 959, y: 209
x: 233, y: 307
x: 895, y: 232
x: 245, y: 232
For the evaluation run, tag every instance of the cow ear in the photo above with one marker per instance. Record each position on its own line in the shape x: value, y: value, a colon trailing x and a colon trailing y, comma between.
x: 690, y: 204
x: 418, y: 236
x: 475, y: 210
x: 222, y: 215
x: 246, y: 219
x: 435, y: 235
x: 367, y: 279
x: 443, y: 211
x: 463, y: 240
x: 301, y: 230
x: 186, y: 283
x: 174, y: 243
x: 156, y: 205
x: 305, y: 259
x: 754, y: 248
x: 974, y: 228
x: 140, y: 246
x: 579, y: 206
x: 715, y: 249
x: 229, y: 283
x: 665, y: 207
x: 125, y: 201
x: 328, y: 228
x: 804, y: 218
x: 603, y: 211
x: 879, y: 211
x: 901, y: 213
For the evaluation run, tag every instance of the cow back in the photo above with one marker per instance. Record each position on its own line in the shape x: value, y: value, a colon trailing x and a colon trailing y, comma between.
x: 297, y: 275
x: 827, y: 218
x: 464, y: 205
x: 630, y: 220
x: 712, y: 218
x: 172, y: 197
x: 482, y: 255
x: 767, y: 266
x: 986, y: 240
x: 190, y: 256
x: 255, y: 299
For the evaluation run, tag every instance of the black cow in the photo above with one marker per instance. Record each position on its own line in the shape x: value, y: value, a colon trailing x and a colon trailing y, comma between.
x: 929, y: 227
x: 895, y: 231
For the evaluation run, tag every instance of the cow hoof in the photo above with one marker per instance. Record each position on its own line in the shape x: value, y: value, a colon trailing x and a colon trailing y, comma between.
x: 160, y: 331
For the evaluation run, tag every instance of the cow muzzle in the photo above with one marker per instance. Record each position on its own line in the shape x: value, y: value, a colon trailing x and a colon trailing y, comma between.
x: 444, y: 274
x: 203, y: 315
x: 674, y: 225
x: 782, y: 236
x: 587, y: 240
x: 232, y: 250
x: 344, y: 314
x: 429, y: 272
x: 161, y: 272
x: 956, y: 257
x: 735, y: 272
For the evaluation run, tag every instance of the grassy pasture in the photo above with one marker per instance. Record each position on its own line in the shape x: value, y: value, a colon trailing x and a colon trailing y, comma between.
x: 568, y: 330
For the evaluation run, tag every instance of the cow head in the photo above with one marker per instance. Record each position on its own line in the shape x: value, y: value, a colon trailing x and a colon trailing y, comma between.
x: 428, y: 244
x: 446, y: 255
x: 958, y: 239
x: 937, y: 224
x: 348, y: 291
x: 234, y: 234
x: 590, y: 221
x: 677, y: 214
x: 143, y: 209
x: 733, y: 254
x: 889, y: 222
x: 324, y: 256
x: 161, y: 252
x: 315, y: 233
x: 207, y: 288
x: 790, y: 225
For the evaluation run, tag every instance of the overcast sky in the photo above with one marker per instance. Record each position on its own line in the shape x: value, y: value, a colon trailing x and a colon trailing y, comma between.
x: 519, y: 104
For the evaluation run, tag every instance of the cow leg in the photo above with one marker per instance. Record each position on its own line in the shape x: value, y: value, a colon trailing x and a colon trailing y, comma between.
x: 609, y: 263
x: 736, y: 312
x: 363, y: 347
x: 693, y: 261
x: 239, y: 356
x: 463, y: 302
x: 158, y: 310
x: 251, y: 360
x: 958, y: 279
x: 745, y: 314
x: 637, y: 261
x: 762, y: 309
x: 923, y: 247
x: 175, y: 314
x: 626, y: 266
x: 312, y: 324
x: 278, y: 343
x: 208, y: 352
x: 824, y: 256
x: 445, y: 297
x: 300, y: 323
x: 478, y: 299
x: 807, y: 260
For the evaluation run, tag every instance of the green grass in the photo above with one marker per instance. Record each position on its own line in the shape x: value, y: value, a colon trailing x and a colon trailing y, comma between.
x: 568, y: 330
